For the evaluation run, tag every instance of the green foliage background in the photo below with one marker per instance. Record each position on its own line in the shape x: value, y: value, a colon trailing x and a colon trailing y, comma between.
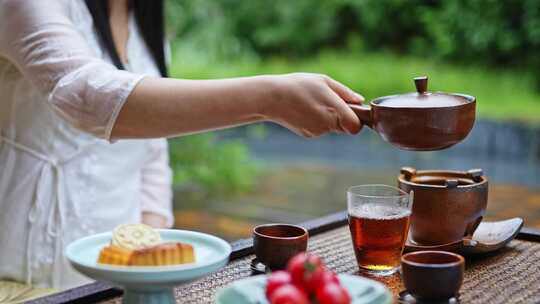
x: 488, y: 48
x: 481, y: 31
x: 212, y: 168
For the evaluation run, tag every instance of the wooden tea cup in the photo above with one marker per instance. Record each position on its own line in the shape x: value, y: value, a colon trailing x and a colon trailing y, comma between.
x: 275, y: 244
x: 432, y: 275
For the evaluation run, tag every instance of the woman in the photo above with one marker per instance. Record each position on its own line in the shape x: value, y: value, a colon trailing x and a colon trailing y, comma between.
x: 80, y: 81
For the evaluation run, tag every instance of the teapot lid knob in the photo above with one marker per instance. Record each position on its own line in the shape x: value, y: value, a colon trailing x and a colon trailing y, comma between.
x: 421, y: 84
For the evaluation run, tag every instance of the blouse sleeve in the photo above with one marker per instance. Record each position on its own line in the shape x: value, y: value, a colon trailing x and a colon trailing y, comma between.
x: 40, y: 39
x: 157, y: 182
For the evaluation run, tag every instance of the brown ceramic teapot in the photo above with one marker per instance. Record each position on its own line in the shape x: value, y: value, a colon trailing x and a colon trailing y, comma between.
x: 420, y: 121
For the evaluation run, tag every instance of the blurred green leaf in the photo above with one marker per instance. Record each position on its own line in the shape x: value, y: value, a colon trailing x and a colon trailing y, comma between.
x: 218, y: 167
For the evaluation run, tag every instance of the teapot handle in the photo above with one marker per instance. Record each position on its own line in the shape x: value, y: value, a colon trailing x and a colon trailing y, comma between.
x: 364, y: 113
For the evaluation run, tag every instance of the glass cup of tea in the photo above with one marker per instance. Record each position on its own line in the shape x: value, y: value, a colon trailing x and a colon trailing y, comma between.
x: 379, y: 223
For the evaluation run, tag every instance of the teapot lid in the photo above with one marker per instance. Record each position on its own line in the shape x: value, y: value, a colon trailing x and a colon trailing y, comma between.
x: 442, y: 178
x: 422, y: 98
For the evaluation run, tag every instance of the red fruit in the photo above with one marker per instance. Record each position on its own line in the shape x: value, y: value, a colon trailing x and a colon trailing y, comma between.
x: 276, y: 280
x: 289, y: 294
x: 333, y: 293
x: 302, y: 267
x: 322, y: 278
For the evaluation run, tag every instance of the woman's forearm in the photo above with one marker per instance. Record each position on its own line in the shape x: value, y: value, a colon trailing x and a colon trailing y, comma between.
x: 163, y: 107
x: 307, y: 104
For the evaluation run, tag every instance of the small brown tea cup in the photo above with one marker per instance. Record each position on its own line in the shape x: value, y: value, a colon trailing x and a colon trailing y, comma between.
x: 432, y: 275
x: 275, y: 244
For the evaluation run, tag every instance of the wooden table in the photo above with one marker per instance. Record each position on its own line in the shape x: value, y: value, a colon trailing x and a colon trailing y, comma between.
x: 511, y: 275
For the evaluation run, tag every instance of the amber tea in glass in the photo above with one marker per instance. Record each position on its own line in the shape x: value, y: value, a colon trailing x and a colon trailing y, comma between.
x: 379, y: 223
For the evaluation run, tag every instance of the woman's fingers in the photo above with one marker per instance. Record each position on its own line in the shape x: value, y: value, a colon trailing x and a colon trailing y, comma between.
x: 154, y: 220
x: 313, y: 105
x: 344, y: 92
x: 345, y: 119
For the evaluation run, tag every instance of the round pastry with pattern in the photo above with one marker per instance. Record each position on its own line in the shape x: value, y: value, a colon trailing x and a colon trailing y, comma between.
x: 135, y: 236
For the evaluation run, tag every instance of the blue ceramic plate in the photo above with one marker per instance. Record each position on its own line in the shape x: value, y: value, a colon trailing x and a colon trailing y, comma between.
x: 251, y: 291
x: 211, y: 254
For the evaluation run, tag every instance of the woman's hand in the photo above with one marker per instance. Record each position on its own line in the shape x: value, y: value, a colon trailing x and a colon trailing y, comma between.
x: 312, y: 104
x: 154, y: 220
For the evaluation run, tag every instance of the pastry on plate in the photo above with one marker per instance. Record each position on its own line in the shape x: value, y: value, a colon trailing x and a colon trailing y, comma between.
x: 115, y: 255
x: 135, y: 236
x: 164, y: 254
x: 141, y: 245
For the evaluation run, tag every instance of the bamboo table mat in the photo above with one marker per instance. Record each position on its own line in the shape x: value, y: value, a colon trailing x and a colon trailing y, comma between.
x: 511, y: 275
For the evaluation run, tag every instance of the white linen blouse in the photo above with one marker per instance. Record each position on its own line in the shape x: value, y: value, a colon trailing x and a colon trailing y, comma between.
x: 60, y: 176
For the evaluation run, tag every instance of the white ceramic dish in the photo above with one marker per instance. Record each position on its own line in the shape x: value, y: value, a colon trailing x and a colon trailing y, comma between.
x: 150, y: 284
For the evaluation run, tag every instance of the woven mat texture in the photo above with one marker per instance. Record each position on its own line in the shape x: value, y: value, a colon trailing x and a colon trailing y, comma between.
x: 511, y: 275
